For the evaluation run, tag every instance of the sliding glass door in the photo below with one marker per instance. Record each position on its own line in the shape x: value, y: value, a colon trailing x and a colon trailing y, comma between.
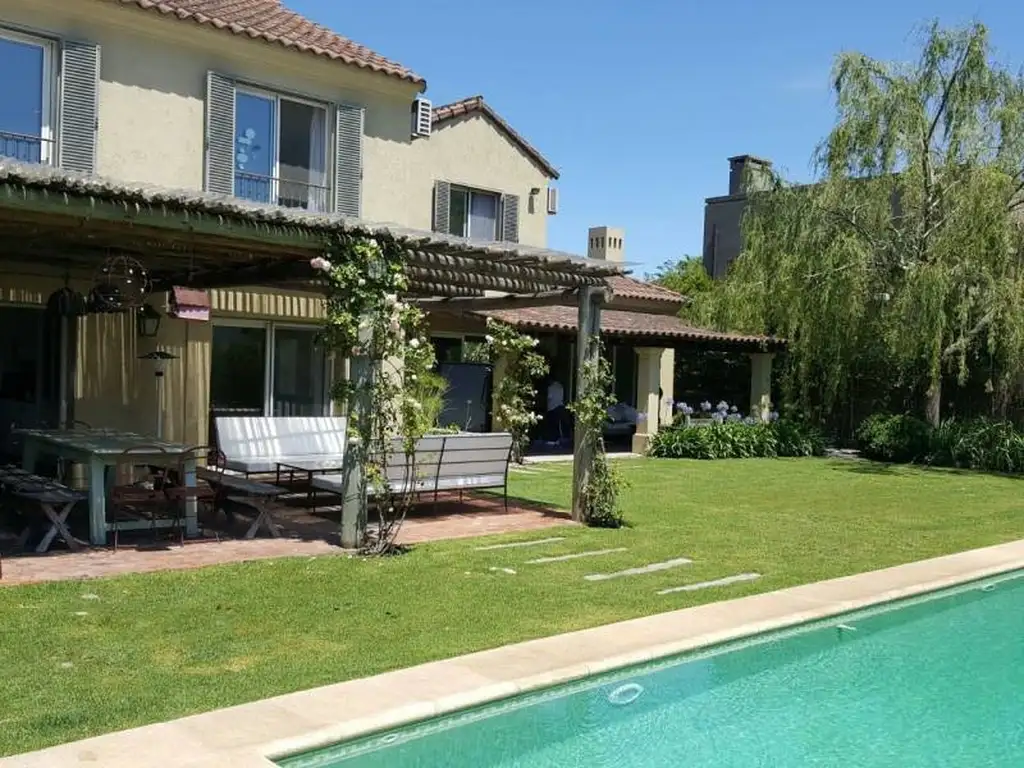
x: 267, y: 369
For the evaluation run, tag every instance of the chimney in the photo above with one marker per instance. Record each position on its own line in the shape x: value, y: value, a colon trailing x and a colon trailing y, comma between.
x: 606, y: 243
x: 749, y: 174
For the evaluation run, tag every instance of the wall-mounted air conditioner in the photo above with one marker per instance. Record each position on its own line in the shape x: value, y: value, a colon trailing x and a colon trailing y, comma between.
x: 552, y: 201
x: 422, y: 117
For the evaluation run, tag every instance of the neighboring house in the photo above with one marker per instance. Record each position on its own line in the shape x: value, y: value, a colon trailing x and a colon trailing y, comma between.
x: 723, y: 216
x: 245, y: 99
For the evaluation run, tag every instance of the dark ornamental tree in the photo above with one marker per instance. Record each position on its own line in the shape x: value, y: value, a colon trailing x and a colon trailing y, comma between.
x: 905, y: 259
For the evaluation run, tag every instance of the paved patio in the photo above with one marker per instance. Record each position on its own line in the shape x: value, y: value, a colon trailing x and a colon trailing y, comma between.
x: 305, y: 534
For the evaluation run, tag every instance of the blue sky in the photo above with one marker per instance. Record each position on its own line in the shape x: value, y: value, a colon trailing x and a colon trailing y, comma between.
x: 639, y: 104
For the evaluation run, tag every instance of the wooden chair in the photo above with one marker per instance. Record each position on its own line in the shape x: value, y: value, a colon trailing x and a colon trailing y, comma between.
x: 136, y: 498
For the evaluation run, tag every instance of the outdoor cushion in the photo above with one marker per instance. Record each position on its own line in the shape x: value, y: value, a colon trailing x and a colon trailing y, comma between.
x: 257, y: 444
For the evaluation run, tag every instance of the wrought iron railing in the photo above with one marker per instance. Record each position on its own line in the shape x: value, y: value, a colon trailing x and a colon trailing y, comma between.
x: 26, y: 148
x: 284, y: 192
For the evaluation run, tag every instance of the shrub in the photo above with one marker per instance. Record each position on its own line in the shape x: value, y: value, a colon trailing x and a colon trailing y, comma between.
x: 737, y: 440
x: 995, y: 446
x: 898, y: 439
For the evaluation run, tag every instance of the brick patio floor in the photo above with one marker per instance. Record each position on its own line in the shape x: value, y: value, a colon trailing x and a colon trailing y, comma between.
x: 305, y: 535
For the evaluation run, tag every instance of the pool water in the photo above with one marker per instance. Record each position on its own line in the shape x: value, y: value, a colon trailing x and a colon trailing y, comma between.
x: 931, y: 682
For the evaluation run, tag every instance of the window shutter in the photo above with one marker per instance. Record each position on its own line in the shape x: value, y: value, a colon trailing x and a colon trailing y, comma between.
x: 510, y: 218
x: 442, y: 206
x: 220, y: 134
x: 348, y: 161
x: 79, y: 106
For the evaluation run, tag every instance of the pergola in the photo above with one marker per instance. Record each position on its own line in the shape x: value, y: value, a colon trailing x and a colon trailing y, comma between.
x: 191, y: 239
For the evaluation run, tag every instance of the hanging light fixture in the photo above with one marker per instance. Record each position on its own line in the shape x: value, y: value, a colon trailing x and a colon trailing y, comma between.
x: 147, y: 322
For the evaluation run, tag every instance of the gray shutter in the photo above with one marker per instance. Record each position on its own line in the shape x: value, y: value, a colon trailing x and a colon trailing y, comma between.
x: 348, y: 161
x: 510, y: 218
x: 79, y: 106
x: 220, y: 134
x: 442, y: 206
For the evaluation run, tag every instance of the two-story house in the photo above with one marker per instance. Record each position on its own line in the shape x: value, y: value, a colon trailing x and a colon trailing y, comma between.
x: 239, y: 99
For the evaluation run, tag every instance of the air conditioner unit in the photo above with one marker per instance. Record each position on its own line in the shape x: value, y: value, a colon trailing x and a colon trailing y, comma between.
x: 422, y: 117
x: 552, y: 201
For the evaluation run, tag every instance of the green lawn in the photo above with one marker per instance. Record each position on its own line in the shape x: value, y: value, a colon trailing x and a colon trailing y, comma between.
x: 159, y: 646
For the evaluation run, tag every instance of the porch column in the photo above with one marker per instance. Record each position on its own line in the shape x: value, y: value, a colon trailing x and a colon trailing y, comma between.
x: 761, y: 383
x: 497, y: 374
x: 361, y: 370
x: 588, y: 350
x: 655, y: 374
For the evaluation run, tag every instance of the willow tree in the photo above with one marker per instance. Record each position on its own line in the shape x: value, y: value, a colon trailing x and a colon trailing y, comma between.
x: 906, y: 255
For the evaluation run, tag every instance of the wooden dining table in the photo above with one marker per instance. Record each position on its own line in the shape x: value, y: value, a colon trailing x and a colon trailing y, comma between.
x: 99, y: 450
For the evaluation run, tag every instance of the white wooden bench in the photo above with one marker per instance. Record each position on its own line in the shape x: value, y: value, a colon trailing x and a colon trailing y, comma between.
x: 461, y: 462
x: 259, y: 444
x: 53, y: 499
x: 243, y: 490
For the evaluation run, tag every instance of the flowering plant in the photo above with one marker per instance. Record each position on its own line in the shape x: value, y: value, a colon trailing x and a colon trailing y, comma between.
x: 384, y: 340
x: 514, y: 391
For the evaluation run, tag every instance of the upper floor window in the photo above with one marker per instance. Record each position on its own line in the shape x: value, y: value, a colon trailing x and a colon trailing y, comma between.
x: 281, y: 151
x: 27, y: 102
x: 473, y: 214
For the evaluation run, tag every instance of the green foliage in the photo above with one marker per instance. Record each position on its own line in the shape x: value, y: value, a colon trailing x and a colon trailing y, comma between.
x: 687, y: 277
x: 514, y: 391
x: 978, y: 444
x: 903, y: 260
x: 599, y: 496
x: 899, y: 438
x: 737, y: 440
x: 428, y: 389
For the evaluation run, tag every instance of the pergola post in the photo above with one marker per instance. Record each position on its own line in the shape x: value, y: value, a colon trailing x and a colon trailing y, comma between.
x: 361, y: 370
x: 588, y: 350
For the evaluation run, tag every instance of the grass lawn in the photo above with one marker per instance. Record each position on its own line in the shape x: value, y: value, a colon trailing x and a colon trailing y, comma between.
x: 158, y: 646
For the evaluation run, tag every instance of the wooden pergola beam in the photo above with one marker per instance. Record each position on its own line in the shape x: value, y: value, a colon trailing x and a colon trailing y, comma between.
x: 486, y: 303
x: 505, y: 268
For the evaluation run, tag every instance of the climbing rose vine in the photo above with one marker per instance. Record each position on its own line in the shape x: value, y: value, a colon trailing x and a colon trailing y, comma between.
x: 384, y: 340
x: 514, y: 391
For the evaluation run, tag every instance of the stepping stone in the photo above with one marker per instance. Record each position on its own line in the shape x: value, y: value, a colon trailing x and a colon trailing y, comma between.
x: 517, y: 544
x: 652, y: 568
x: 574, y: 556
x: 737, y: 579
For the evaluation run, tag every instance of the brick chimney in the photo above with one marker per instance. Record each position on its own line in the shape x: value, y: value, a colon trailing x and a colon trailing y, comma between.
x: 748, y: 173
x: 606, y: 243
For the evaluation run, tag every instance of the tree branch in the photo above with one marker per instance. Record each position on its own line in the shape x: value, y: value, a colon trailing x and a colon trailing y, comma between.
x: 961, y: 344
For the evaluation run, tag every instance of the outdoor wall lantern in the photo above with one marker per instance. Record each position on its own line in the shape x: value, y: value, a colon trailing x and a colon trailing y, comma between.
x: 147, y: 321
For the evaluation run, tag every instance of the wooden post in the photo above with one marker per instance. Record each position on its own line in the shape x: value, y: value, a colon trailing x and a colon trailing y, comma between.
x: 361, y: 370
x: 587, y: 351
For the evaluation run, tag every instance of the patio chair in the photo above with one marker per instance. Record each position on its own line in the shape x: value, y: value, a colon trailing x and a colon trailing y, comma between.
x: 136, y: 499
x: 210, y: 464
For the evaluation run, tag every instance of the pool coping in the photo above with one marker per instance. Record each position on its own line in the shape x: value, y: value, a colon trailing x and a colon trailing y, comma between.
x: 253, y: 735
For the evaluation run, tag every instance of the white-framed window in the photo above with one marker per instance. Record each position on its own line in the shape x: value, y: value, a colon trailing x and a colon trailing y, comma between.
x: 28, y: 98
x: 268, y: 369
x: 281, y: 150
x: 474, y: 213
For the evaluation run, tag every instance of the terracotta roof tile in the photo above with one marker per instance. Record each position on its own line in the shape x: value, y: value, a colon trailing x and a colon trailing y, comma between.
x: 637, y: 289
x: 270, y: 21
x: 624, y: 324
x: 473, y: 104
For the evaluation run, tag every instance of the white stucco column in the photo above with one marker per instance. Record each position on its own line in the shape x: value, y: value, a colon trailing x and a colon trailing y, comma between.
x: 498, y: 373
x: 655, y: 373
x: 761, y: 383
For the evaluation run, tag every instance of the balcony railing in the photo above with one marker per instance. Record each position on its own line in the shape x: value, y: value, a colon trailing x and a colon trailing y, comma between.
x: 284, y: 192
x: 26, y: 148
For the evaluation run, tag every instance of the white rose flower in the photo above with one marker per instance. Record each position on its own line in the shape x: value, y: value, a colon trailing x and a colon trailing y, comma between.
x: 414, y: 343
x: 320, y: 263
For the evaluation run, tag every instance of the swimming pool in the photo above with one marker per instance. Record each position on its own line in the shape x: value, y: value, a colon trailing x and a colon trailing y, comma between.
x: 934, y: 681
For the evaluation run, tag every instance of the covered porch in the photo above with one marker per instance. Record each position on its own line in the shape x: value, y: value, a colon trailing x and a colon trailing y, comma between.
x: 91, y: 361
x: 657, y: 362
